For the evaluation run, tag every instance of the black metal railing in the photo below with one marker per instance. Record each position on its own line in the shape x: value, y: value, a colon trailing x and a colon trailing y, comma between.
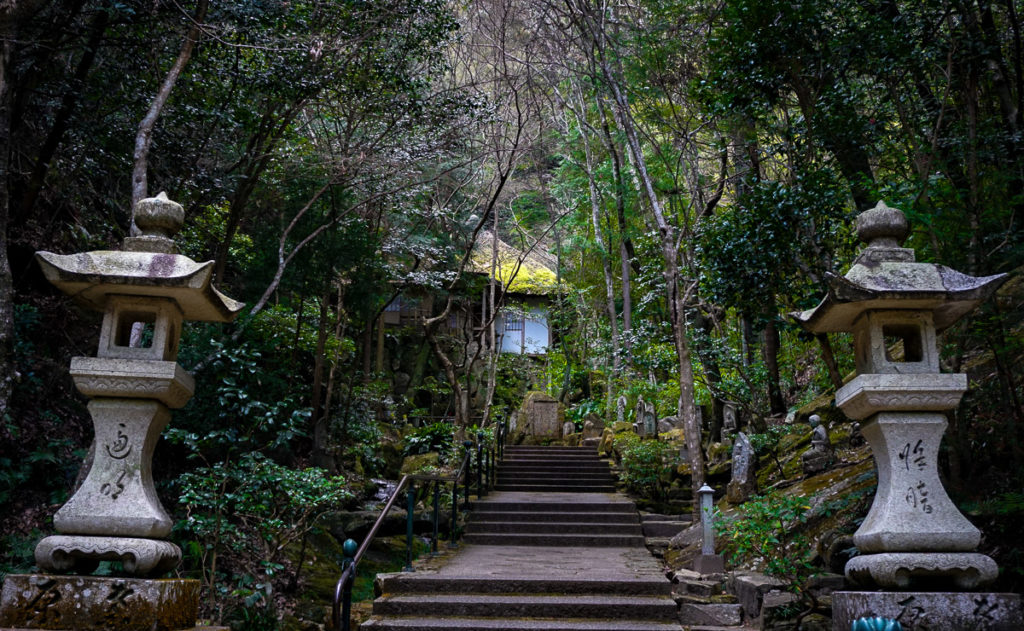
x: 353, y: 552
x: 486, y: 465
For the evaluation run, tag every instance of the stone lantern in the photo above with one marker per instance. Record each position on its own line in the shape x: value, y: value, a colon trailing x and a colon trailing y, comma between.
x: 145, y: 293
x: 913, y: 536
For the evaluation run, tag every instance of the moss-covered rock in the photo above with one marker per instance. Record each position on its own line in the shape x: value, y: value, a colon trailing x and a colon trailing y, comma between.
x: 420, y: 462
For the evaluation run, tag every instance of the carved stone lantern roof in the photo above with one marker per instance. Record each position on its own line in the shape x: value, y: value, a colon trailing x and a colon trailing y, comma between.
x: 887, y: 276
x: 151, y: 267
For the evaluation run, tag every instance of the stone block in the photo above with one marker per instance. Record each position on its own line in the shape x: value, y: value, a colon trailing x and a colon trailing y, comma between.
x: 712, y: 615
x: 826, y: 583
x: 704, y: 589
x: 709, y: 564
x: 750, y: 588
x: 948, y: 611
x: 39, y: 601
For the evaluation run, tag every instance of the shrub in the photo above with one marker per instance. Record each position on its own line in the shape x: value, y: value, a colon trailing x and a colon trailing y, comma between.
x: 645, y: 464
x: 241, y: 516
x: 437, y: 437
x: 763, y: 534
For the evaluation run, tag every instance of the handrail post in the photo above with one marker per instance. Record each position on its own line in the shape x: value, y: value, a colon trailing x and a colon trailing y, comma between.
x: 455, y: 514
x: 348, y: 550
x: 437, y: 506
x: 494, y: 469
x: 468, y: 444
x: 480, y: 465
x: 410, y: 508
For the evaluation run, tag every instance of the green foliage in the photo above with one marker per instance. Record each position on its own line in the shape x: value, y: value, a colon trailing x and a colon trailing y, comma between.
x: 579, y: 412
x: 645, y: 464
x: 765, y: 534
x: 241, y: 516
x: 437, y: 437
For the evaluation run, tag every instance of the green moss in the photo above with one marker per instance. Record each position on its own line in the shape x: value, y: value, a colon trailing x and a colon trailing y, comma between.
x: 521, y: 273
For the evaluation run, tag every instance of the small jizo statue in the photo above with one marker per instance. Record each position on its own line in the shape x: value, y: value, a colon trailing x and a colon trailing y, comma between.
x: 820, y: 456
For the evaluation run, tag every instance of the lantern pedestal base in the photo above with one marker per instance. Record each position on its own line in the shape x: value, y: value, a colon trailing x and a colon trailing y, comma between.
x: 949, y: 611
x: 80, y: 553
x: 905, y: 570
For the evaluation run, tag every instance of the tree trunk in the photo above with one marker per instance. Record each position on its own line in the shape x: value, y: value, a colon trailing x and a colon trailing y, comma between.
x: 144, y: 136
x: 770, y: 350
x: 687, y: 407
x: 829, y: 357
x: 8, y: 370
x: 12, y: 15
x: 63, y: 117
x: 490, y: 313
x: 321, y: 455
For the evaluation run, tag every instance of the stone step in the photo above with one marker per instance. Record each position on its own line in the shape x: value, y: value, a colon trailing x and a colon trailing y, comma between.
x: 565, y: 459
x: 551, y: 455
x: 534, y: 606
x: 580, y: 518
x: 562, y: 528
x: 556, y: 487
x: 562, y: 540
x: 412, y: 583
x: 555, y: 467
x: 586, y: 476
x: 481, y: 507
x: 514, y: 449
x: 522, y: 624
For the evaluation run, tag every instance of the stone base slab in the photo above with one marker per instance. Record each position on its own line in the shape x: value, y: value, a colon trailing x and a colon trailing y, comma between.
x: 916, y: 570
x: 948, y: 611
x: 80, y: 553
x: 709, y: 564
x: 53, y: 602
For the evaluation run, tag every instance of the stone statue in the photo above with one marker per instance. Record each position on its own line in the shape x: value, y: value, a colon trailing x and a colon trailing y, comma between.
x: 620, y: 409
x: 820, y: 456
x: 744, y: 471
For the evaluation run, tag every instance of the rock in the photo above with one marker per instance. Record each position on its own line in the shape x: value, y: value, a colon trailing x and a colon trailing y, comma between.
x: 419, y: 462
x: 751, y: 588
x: 607, y: 443
x: 824, y: 584
x: 835, y: 549
x: 665, y: 425
x: 568, y: 429
x: 711, y: 615
x: 697, y: 587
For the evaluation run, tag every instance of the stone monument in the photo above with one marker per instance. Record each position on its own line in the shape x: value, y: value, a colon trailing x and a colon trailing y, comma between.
x: 821, y: 455
x: 649, y: 420
x: 145, y: 293
x: 620, y: 409
x: 744, y: 471
x: 542, y: 416
x: 914, y: 537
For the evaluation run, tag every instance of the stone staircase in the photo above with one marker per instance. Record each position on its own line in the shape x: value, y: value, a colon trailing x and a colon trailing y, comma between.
x: 553, y: 549
x: 547, y: 469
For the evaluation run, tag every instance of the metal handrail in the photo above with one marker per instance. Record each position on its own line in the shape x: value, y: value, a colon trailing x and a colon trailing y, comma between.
x: 341, y: 609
